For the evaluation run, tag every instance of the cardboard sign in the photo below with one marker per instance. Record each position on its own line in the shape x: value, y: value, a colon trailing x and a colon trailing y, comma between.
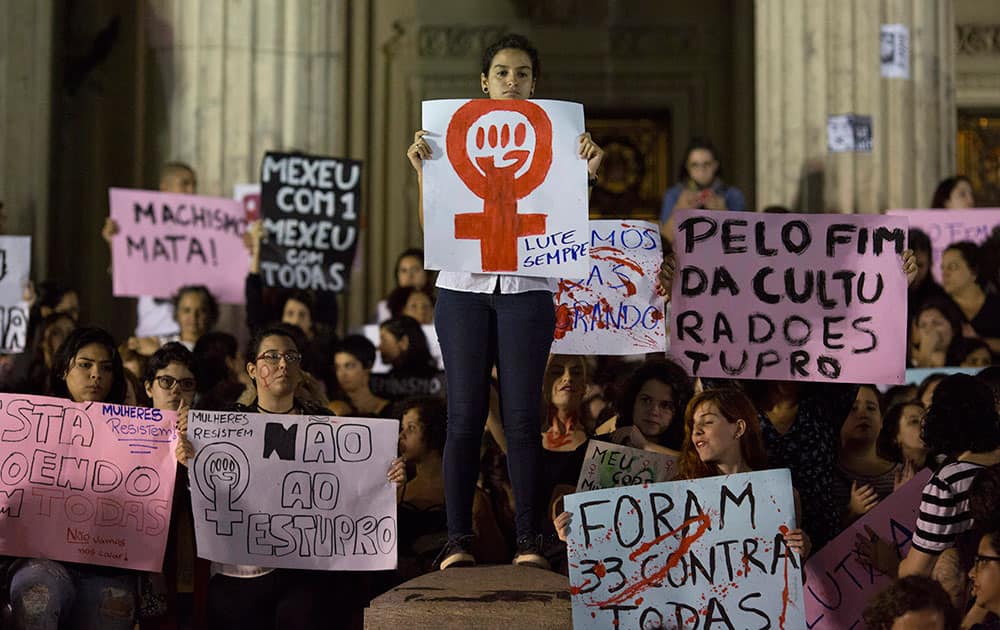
x: 15, y: 269
x: 294, y: 492
x: 169, y: 240
x: 310, y: 206
x: 505, y: 190
x: 806, y: 297
x: 85, y: 482
x: 614, y: 309
x: 945, y: 227
x: 838, y: 586
x: 608, y: 465
x: 696, y: 554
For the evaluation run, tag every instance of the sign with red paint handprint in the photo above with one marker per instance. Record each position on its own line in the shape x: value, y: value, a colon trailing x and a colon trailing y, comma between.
x: 614, y: 308
x: 505, y: 190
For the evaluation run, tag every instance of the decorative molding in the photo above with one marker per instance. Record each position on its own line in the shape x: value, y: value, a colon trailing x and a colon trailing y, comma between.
x: 653, y: 41
x: 457, y: 40
x: 977, y: 39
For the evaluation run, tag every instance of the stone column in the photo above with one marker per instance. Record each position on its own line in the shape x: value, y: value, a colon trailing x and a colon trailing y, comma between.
x: 26, y: 30
x: 820, y: 58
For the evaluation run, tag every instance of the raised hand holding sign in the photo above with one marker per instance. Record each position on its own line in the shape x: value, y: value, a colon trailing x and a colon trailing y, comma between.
x: 510, y: 194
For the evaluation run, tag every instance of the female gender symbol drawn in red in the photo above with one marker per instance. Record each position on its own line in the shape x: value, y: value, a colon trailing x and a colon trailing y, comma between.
x: 498, y: 226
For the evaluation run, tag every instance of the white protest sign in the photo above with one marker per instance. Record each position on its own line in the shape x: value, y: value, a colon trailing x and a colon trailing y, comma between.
x: 607, y: 465
x: 706, y: 553
x: 614, y: 309
x: 15, y: 267
x: 297, y: 492
x: 505, y: 189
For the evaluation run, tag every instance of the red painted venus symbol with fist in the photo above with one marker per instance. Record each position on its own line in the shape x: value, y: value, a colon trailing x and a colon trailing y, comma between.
x: 511, y: 154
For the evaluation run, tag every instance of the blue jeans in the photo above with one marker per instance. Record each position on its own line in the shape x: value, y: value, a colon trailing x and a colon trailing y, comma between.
x: 476, y: 331
x: 48, y: 595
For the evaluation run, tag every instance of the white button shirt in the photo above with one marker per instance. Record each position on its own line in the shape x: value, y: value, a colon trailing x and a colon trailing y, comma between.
x: 486, y: 282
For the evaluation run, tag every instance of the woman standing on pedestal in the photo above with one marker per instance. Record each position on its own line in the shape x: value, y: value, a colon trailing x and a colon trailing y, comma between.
x: 484, y: 319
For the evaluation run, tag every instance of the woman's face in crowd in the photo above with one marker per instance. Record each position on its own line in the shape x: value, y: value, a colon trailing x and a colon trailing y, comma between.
x: 419, y: 307
x: 279, y: 378
x: 69, y: 304
x: 653, y: 410
x: 89, y: 374
x: 192, y: 315
x: 411, y: 436
x: 568, y: 385
x: 411, y: 273
x: 910, y: 421
x: 392, y: 349
x: 714, y: 437
x: 931, y: 323
x: 985, y: 575
x: 510, y: 76
x: 864, y: 420
x: 297, y: 314
x: 701, y: 167
x: 351, y: 374
x: 960, y: 197
x: 55, y: 335
x: 171, y: 385
x: 955, y: 273
x: 980, y: 357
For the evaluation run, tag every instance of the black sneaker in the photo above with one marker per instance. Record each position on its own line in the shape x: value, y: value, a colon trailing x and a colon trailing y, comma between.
x: 529, y: 553
x: 456, y: 554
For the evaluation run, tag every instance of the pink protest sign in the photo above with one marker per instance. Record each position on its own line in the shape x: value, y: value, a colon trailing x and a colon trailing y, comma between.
x: 945, y: 227
x: 167, y: 240
x: 838, y: 586
x: 85, y: 482
x: 505, y: 190
x: 807, y: 297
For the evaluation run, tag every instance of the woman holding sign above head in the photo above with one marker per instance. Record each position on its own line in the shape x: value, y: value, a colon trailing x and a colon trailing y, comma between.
x: 508, y: 320
x: 45, y: 593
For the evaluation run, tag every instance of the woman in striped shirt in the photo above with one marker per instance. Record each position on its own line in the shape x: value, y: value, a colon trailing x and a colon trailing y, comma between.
x: 962, y: 423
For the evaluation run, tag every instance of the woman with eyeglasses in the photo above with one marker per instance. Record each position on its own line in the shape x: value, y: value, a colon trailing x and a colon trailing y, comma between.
x: 85, y: 368
x: 242, y: 597
x: 985, y: 576
x: 699, y: 185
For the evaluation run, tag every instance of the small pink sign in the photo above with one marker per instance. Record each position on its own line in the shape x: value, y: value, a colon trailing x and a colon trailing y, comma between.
x: 85, y: 482
x: 945, y: 227
x: 167, y: 240
x: 838, y: 586
x: 803, y: 297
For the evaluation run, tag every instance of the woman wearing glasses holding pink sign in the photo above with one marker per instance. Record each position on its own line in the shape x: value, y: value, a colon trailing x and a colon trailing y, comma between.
x: 484, y: 319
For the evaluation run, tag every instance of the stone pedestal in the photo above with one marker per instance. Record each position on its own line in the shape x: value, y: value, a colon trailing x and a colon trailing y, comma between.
x: 499, y: 596
x: 821, y: 58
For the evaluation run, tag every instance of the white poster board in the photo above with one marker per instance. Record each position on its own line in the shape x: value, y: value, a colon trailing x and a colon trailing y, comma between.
x: 505, y: 190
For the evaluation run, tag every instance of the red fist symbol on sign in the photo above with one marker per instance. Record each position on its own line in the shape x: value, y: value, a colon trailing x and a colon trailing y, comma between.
x: 502, y: 151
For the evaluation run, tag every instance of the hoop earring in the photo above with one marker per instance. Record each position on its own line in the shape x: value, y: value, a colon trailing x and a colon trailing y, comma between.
x: 486, y: 90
